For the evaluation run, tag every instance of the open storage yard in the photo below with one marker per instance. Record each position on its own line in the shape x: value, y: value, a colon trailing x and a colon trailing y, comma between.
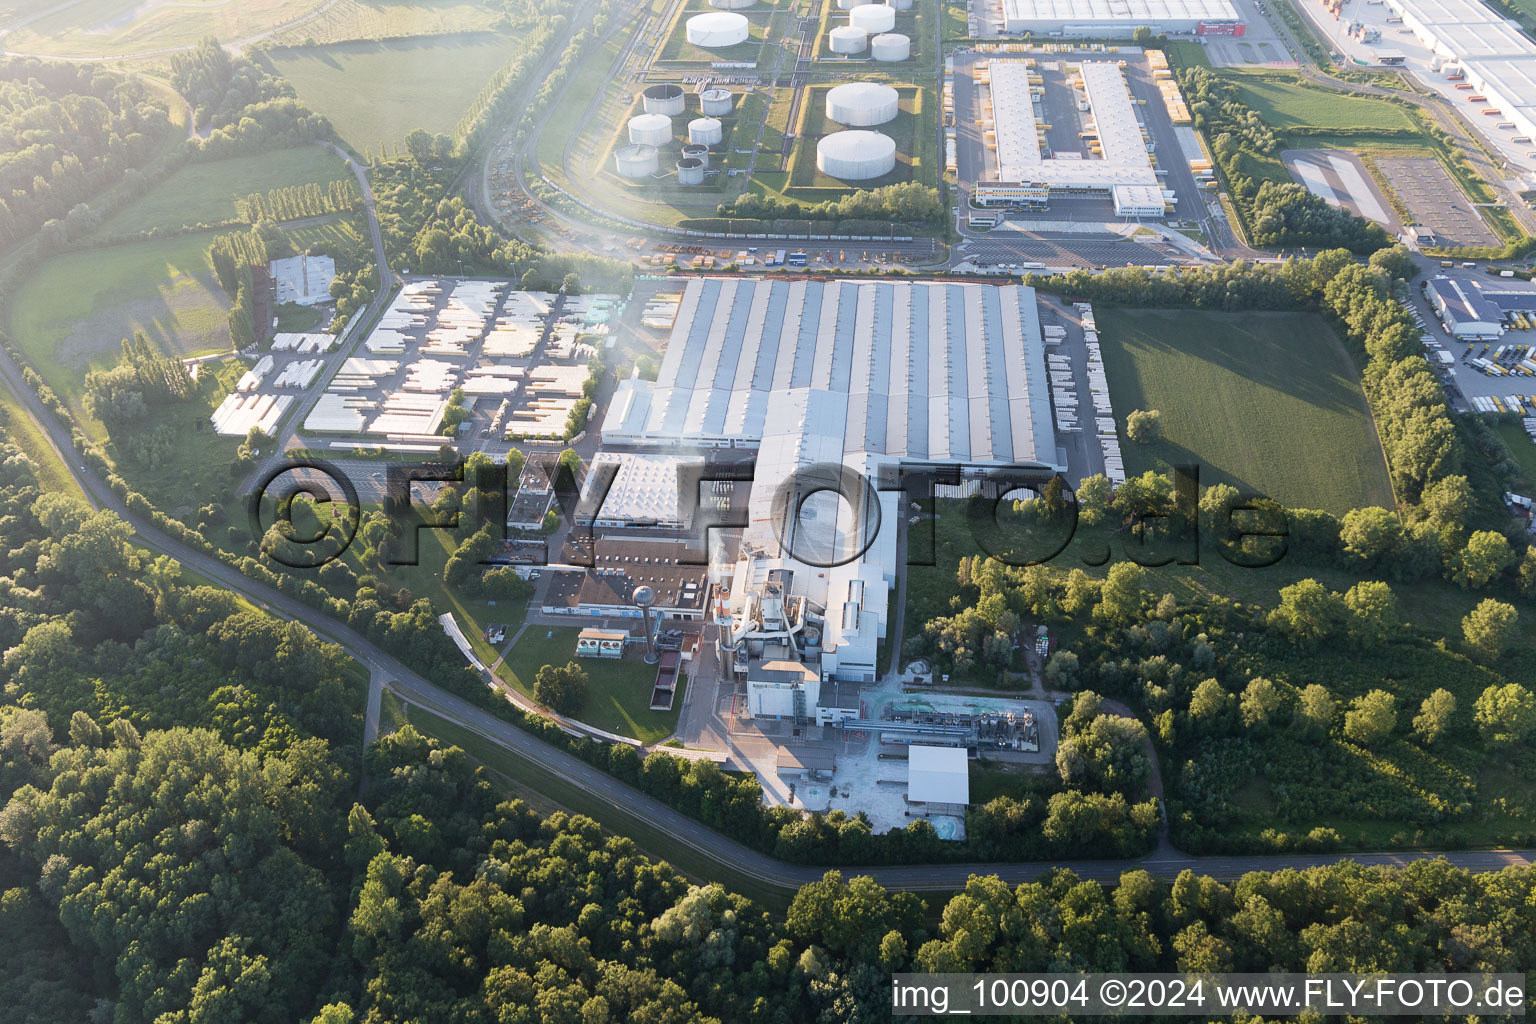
x: 1436, y: 202
x: 1268, y: 402
x: 375, y: 93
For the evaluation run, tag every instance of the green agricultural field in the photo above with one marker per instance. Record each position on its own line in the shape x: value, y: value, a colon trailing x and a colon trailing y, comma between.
x: 97, y: 28
x: 343, y: 20
x: 376, y: 93
x: 206, y: 193
x: 77, y: 308
x: 1282, y: 104
x: 618, y: 692
x: 1267, y: 402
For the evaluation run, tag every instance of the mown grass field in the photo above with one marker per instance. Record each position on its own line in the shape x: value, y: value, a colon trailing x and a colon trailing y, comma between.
x: 206, y: 193
x: 1522, y: 448
x: 94, y: 28
x: 389, y: 19
x: 77, y: 309
x: 1269, y: 403
x: 376, y: 93
x: 618, y: 692
x: 1284, y: 105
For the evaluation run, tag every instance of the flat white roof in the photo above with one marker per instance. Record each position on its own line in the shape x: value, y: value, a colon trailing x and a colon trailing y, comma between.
x: 1018, y: 142
x: 915, y: 370
x: 644, y: 488
x: 938, y: 775
x: 1139, y: 11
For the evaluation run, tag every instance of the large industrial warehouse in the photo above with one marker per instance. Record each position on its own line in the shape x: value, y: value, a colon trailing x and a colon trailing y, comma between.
x: 863, y: 375
x: 1125, y: 172
x: 1497, y: 59
x: 1119, y: 18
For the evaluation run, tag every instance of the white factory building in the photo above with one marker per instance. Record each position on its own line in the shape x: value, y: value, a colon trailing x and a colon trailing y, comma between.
x: 859, y: 376
x: 1118, y: 19
x: 303, y: 279
x: 1025, y: 175
x: 1497, y: 59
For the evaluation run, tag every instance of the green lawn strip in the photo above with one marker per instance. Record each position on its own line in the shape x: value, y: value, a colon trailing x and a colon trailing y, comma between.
x: 1283, y: 103
x: 24, y: 433
x: 1269, y: 403
x: 375, y: 93
x: 205, y: 193
x: 527, y: 775
x: 572, y: 107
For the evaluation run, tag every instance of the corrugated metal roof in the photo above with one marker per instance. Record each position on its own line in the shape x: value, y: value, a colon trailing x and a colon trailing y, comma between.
x: 940, y: 371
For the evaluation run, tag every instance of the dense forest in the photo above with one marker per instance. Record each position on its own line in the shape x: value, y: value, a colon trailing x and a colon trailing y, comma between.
x: 68, y: 132
x: 243, y: 109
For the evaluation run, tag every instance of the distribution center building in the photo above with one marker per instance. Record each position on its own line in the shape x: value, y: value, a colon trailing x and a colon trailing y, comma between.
x: 1497, y: 59
x: 1118, y: 19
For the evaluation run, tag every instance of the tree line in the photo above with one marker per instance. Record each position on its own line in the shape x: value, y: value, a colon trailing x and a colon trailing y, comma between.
x: 907, y: 202
x: 292, y: 202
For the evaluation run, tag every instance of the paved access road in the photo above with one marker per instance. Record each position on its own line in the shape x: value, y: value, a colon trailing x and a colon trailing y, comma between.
x: 685, y: 832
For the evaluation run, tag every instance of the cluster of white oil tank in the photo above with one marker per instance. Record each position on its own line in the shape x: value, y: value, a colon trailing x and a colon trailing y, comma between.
x: 652, y: 130
x: 869, y: 28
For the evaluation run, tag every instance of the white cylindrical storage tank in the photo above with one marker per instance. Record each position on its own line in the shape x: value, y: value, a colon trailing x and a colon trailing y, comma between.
x: 650, y: 130
x: 848, y: 5
x: 847, y: 39
x: 861, y: 104
x: 695, y: 151
x: 890, y: 46
x: 663, y: 99
x: 705, y: 131
x: 637, y: 161
x: 715, y: 102
x: 856, y: 155
x: 717, y: 29
x: 690, y: 171
x: 873, y: 18
x: 731, y: 5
